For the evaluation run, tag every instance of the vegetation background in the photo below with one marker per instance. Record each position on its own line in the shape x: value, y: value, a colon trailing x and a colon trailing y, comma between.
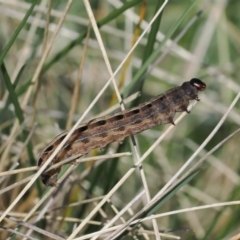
x: 53, y: 68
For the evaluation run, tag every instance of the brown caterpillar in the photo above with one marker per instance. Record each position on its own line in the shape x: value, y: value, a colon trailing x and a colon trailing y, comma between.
x: 99, y: 132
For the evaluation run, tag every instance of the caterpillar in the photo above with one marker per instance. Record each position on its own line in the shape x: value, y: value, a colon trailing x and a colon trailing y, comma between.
x: 99, y: 132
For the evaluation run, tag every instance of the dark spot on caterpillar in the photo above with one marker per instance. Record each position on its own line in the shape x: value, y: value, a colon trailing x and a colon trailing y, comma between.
x: 133, y: 112
x: 40, y: 160
x: 116, y: 118
x: 102, y: 122
x: 162, y: 98
x: 49, y: 149
x: 82, y: 129
x: 147, y: 108
x: 60, y: 139
x: 97, y: 124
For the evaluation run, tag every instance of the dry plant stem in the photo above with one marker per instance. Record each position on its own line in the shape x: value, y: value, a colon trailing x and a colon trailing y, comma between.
x: 236, y: 237
x: 15, y: 232
x: 76, y: 204
x: 73, y: 220
x: 10, y: 139
x: 76, y: 91
x: 145, y: 185
x: 115, y: 210
x: 15, y: 127
x: 4, y: 146
x: 144, y: 232
x: 32, y: 227
x: 101, y: 45
x: 191, y: 217
x: 15, y: 165
x: 165, y: 235
x: 87, y: 236
x: 216, y: 163
x: 68, y: 160
x: 221, y: 108
x: 88, y: 159
x: 59, y: 218
x: 197, y: 165
x: 34, y: 79
x: 15, y: 184
x: 215, y: 205
x: 198, y: 194
x: 11, y: 172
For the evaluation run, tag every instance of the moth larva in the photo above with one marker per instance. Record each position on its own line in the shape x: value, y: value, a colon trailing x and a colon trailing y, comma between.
x: 99, y: 132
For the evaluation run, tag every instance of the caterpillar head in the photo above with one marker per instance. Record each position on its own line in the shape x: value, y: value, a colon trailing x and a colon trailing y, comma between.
x: 198, y: 84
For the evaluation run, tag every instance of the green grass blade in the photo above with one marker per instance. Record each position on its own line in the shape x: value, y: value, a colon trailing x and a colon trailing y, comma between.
x: 148, y: 50
x: 12, y: 94
x: 24, y: 87
x: 170, y: 194
x: 19, y: 28
x: 8, y: 101
x: 18, y: 112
